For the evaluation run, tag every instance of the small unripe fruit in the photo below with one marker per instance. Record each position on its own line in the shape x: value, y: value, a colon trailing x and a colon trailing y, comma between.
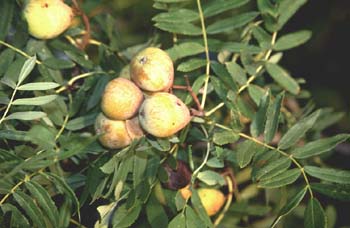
x: 163, y: 114
x: 47, y: 18
x: 116, y: 134
x: 212, y: 200
x: 121, y: 99
x: 152, y: 70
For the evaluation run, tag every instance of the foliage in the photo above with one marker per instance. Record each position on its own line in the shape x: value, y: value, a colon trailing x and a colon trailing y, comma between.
x: 246, y: 139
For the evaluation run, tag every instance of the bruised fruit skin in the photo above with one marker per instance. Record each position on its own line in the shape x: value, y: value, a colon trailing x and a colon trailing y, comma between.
x: 133, y: 128
x: 47, y: 18
x: 117, y: 134
x: 178, y: 177
x: 163, y: 114
x: 121, y: 99
x: 152, y: 70
x: 212, y: 200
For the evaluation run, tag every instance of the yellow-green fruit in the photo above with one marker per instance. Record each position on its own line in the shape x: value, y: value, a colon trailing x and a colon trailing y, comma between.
x: 47, y: 18
x: 116, y: 134
x: 163, y: 114
x: 212, y: 200
x: 121, y: 99
x: 152, y: 70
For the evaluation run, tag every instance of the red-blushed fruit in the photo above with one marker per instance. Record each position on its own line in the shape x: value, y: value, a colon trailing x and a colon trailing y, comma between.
x: 163, y: 114
x: 47, y: 19
x: 115, y: 134
x: 212, y: 200
x: 152, y: 70
x: 185, y: 192
x: 121, y: 99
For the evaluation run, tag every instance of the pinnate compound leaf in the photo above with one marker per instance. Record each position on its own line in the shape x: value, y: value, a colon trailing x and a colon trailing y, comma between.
x: 231, y: 23
x: 29, y: 115
x: 282, y: 77
x: 225, y: 137
x: 185, y: 49
x: 44, y: 200
x: 246, y: 151
x: 336, y: 191
x: 215, y: 7
x: 292, y: 40
x: 178, y: 222
x: 31, y: 209
x: 18, y: 219
x: 14, y: 135
x: 211, y: 178
x: 280, y: 180
x: 155, y: 212
x: 314, y: 216
x: 290, y: 205
x: 184, y: 28
x: 272, y: 169
x: 192, y: 219
x: 27, y: 67
x: 198, y: 207
x: 319, y: 146
x: 258, y: 122
x: 329, y: 174
x: 237, y: 73
x: 58, y: 64
x: 81, y: 122
x: 63, y: 187
x: 125, y: 217
x: 39, y: 86
x: 286, y: 9
x: 298, y: 130
x: 181, y: 15
x: 192, y: 64
x: 273, y: 114
x: 41, y: 100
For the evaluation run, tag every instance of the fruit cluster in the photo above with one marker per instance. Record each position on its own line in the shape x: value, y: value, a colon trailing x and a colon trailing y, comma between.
x: 141, y: 103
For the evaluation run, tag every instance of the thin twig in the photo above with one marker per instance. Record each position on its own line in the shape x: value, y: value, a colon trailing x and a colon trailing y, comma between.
x: 206, y: 49
x: 18, y: 51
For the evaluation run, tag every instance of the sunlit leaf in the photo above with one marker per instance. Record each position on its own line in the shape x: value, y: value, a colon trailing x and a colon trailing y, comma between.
x: 41, y: 100
x: 181, y: 15
x: 29, y: 115
x: 39, y: 86
x: 180, y: 28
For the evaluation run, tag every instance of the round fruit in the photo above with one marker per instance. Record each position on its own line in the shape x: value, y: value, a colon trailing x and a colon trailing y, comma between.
x: 212, y: 200
x: 116, y: 134
x: 121, y: 99
x: 152, y: 70
x: 163, y: 114
x: 47, y: 18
